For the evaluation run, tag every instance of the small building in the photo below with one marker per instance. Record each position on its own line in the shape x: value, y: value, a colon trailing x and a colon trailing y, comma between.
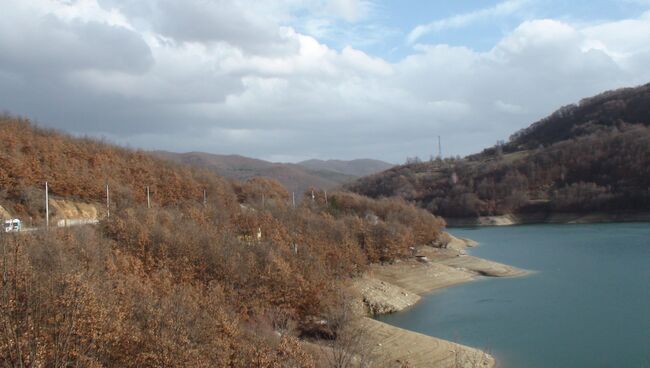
x: 13, y: 225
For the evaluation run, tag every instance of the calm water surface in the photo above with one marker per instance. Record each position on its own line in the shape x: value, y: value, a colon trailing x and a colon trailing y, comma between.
x: 586, y: 305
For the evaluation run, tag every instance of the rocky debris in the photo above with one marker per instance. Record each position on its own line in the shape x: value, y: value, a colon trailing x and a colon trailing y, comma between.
x: 388, y: 288
x: 483, y: 267
x: 396, y: 347
x: 504, y: 220
x: 381, y: 297
x: 4, y: 214
x: 73, y: 211
x: 459, y: 243
x: 422, y: 258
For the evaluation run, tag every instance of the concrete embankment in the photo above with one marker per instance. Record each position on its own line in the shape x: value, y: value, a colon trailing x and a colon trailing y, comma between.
x: 395, y: 287
x: 550, y: 218
x: 63, y: 213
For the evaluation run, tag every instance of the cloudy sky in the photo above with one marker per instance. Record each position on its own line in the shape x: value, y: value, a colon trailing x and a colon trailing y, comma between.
x: 288, y: 80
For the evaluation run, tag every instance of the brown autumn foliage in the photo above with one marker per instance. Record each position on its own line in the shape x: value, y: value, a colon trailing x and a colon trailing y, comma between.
x: 181, y: 283
x: 71, y: 298
x: 80, y: 168
x: 296, y: 177
x: 594, y: 156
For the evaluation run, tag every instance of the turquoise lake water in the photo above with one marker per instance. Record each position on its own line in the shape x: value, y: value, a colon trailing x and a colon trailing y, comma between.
x: 586, y: 305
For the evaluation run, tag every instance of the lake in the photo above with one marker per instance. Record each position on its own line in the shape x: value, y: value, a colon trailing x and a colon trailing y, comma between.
x: 587, y: 303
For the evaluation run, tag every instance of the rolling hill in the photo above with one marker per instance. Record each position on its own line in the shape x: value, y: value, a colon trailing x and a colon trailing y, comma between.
x: 593, y: 156
x: 186, y: 280
x: 295, y: 177
x: 359, y: 167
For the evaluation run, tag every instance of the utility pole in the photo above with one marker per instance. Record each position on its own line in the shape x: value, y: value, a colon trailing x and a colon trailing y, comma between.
x: 47, y: 207
x: 293, y: 199
x: 148, y: 199
x: 108, y: 203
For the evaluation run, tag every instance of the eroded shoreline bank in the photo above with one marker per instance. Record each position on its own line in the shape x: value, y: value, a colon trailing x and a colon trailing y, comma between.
x: 550, y: 218
x: 396, y: 287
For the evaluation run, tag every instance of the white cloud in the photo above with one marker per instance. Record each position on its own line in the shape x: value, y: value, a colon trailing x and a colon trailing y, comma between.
x: 350, y: 10
x: 363, y: 62
x: 449, y: 109
x: 544, y: 33
x: 508, y: 107
x: 120, y: 69
x: 622, y: 39
x: 501, y: 9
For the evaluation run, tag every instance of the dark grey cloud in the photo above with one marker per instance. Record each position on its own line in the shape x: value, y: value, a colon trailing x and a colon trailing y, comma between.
x: 47, y: 45
x: 240, y: 24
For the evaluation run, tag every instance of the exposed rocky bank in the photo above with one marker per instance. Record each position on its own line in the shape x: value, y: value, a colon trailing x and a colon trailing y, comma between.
x: 395, y: 287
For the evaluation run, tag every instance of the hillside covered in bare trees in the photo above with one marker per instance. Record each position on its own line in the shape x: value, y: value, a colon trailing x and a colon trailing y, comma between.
x: 593, y: 156
x: 297, y: 177
x: 238, y: 280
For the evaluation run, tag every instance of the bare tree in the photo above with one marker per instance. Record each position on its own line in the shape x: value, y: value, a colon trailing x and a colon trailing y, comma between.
x: 351, y: 347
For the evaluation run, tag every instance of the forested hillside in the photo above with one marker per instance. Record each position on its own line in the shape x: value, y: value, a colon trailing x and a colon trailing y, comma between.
x: 80, y: 169
x: 237, y: 281
x: 594, y: 156
x: 358, y: 167
x: 295, y: 177
x: 605, y: 112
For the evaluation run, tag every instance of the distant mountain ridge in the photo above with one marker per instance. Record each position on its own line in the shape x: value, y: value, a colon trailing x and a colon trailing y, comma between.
x: 589, y: 157
x: 295, y: 177
x: 358, y: 167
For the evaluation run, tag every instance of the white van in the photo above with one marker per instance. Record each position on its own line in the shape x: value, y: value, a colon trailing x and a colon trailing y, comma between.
x: 12, y: 225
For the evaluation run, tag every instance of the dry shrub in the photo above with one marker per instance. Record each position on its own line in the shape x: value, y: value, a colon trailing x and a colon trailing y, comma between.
x: 182, y: 283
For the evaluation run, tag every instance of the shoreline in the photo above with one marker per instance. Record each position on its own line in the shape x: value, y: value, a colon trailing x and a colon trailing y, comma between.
x: 399, y: 286
x: 549, y: 218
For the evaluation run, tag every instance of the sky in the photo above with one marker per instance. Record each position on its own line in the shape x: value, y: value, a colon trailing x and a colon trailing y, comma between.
x: 289, y: 80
